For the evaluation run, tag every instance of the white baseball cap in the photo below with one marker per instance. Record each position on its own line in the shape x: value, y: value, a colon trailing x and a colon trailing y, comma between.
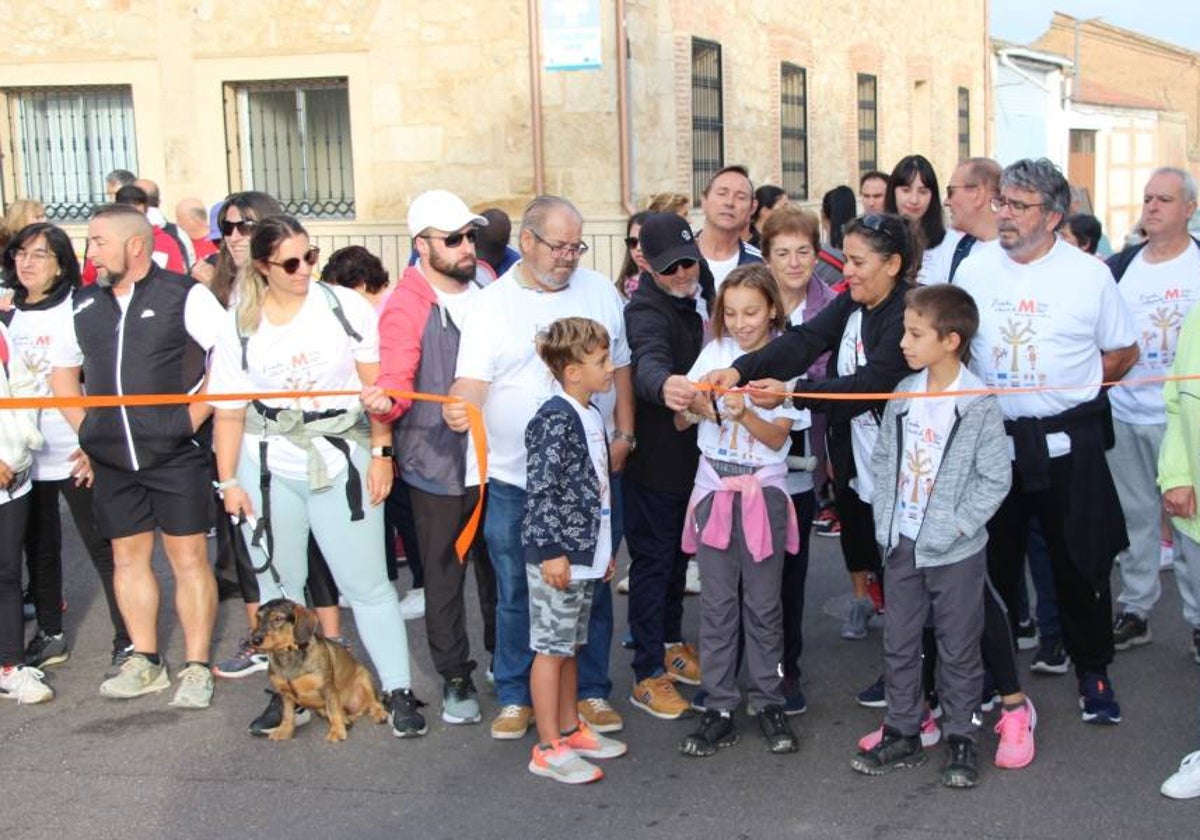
x: 441, y: 210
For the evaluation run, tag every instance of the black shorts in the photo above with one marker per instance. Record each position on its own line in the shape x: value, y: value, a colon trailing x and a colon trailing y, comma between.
x: 175, y: 497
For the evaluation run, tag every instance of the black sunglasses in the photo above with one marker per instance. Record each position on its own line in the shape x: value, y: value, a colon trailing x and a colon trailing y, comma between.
x: 631, y: 242
x: 292, y: 264
x: 877, y: 223
x: 245, y: 227
x: 453, y: 240
x: 674, y: 267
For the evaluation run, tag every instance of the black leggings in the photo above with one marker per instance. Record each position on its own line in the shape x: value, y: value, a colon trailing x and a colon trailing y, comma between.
x: 859, y: 548
x: 43, y: 554
x: 13, y: 517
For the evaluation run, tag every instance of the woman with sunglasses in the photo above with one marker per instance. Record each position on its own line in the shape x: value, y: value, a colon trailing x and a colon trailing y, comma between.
x: 635, y: 263
x: 861, y: 330
x: 325, y: 466
x: 236, y: 220
x: 912, y: 191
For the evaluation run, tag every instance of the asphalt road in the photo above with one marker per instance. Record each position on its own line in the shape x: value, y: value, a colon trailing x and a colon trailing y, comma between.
x: 83, y: 766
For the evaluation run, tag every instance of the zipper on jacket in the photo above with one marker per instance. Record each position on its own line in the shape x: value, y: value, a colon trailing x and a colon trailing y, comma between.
x: 120, y: 389
x: 932, y: 487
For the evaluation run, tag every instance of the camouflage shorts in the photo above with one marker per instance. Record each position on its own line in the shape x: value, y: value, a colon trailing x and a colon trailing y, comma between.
x: 558, y: 619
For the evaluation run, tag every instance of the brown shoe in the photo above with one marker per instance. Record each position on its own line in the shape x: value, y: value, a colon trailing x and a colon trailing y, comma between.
x: 659, y: 697
x: 511, y: 723
x: 600, y: 715
x: 682, y: 664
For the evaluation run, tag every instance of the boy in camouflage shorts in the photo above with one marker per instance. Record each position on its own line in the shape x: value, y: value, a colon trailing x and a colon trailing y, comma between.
x: 567, y: 537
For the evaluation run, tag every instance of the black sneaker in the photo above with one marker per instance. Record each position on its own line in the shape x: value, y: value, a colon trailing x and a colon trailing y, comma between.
x: 44, y: 649
x: 715, y: 730
x: 272, y: 716
x: 962, y: 764
x: 773, y: 722
x: 407, y: 722
x: 873, y: 695
x: 1051, y: 658
x: 120, y: 653
x: 893, y: 750
x: 1129, y: 630
x: 1027, y: 635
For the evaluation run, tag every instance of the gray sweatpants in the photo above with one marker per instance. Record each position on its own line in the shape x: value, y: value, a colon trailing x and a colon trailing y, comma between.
x: 1133, y: 462
x: 1187, y: 576
x: 759, y: 610
x: 953, y: 594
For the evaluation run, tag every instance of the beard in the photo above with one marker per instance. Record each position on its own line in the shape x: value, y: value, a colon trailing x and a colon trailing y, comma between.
x: 461, y: 271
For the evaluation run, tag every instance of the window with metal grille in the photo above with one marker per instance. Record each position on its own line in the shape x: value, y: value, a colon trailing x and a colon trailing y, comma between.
x: 63, y: 141
x: 292, y: 139
x: 793, y: 129
x: 708, y: 126
x: 868, y: 124
x: 964, y: 123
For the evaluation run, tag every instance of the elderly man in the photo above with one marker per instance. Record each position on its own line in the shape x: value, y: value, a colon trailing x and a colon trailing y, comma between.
x: 144, y: 330
x: 969, y: 200
x: 1051, y: 316
x: 666, y: 333
x: 192, y: 218
x: 727, y: 202
x: 499, y: 369
x: 419, y: 337
x: 1160, y: 282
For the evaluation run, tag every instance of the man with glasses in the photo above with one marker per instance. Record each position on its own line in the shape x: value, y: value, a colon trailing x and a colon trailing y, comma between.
x: 968, y: 198
x: 666, y: 333
x: 144, y: 330
x: 499, y: 369
x: 1051, y: 317
x: 419, y: 333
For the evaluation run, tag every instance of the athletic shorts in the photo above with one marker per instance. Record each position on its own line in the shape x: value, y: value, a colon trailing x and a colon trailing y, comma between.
x: 558, y: 619
x: 176, y: 498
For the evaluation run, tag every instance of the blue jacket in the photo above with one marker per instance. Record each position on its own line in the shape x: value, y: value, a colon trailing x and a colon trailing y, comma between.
x: 562, y: 490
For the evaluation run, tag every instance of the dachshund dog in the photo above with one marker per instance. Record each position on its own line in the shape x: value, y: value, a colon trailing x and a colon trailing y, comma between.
x: 309, y: 670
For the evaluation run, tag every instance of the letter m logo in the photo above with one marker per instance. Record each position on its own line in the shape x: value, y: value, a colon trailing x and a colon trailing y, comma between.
x: 1027, y: 307
x: 1171, y: 294
x: 300, y: 360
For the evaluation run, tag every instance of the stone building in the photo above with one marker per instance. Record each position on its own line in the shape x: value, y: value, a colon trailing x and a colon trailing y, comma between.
x: 348, y: 108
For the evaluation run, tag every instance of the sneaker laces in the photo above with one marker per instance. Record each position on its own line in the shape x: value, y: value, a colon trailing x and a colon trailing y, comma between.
x: 195, y: 676
x: 1010, y: 727
x: 597, y: 704
x: 511, y: 711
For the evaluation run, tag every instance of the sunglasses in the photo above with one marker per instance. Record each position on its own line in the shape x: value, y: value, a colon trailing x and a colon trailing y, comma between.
x: 631, y: 242
x: 877, y: 223
x: 245, y: 227
x: 674, y: 267
x: 453, y: 240
x: 292, y: 264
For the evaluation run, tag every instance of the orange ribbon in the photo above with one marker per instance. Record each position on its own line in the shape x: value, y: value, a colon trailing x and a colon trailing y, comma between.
x: 475, y: 416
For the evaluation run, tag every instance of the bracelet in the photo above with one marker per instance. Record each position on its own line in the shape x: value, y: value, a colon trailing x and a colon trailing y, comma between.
x: 226, y: 484
x: 627, y: 437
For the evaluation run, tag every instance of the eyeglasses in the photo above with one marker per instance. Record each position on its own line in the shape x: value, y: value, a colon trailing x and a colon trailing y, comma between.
x: 950, y: 188
x: 292, y: 264
x: 673, y: 268
x: 1018, y: 208
x: 573, y: 251
x: 245, y: 227
x: 453, y: 240
x: 631, y: 242
x: 35, y: 256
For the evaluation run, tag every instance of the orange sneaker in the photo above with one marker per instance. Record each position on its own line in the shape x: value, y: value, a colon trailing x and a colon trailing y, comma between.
x: 659, y: 697
x: 563, y: 764
x: 589, y: 743
x: 683, y: 664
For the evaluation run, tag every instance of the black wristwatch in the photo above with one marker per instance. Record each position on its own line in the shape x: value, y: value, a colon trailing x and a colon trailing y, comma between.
x: 381, y: 452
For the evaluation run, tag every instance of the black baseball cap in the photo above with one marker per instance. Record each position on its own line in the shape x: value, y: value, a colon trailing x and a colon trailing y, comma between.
x: 665, y: 239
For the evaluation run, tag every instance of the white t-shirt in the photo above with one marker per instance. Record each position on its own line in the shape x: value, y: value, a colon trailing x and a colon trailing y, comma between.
x: 597, y: 441
x: 800, y: 481
x: 497, y: 347
x: 864, y: 428
x: 203, y: 317
x: 935, y: 262
x: 457, y: 306
x: 1159, y: 296
x: 721, y: 268
x: 32, y: 333
x: 730, y: 441
x: 1044, y: 323
x: 312, y: 352
x: 926, y: 431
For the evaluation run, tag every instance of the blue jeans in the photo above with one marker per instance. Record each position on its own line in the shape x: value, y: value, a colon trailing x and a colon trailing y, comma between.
x: 513, y: 657
x: 1049, y: 626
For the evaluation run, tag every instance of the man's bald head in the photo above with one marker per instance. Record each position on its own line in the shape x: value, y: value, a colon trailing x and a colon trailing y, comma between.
x: 151, y: 190
x: 192, y: 216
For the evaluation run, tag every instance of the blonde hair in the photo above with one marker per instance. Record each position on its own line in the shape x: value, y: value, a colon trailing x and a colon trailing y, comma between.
x: 15, y: 218
x: 251, y: 283
x: 568, y: 341
x: 668, y: 202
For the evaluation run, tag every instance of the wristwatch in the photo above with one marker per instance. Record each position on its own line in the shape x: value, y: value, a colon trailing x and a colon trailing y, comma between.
x: 628, y: 438
x: 381, y: 452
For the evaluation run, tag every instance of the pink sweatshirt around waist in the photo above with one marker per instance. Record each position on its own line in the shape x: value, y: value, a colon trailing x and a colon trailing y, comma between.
x: 756, y: 522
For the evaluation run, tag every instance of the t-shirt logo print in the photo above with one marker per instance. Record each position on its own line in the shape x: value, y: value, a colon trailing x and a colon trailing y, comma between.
x: 1016, y: 336
x: 1163, y: 321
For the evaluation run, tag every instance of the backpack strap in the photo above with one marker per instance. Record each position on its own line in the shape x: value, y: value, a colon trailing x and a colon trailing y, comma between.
x: 961, y: 251
x: 336, y: 306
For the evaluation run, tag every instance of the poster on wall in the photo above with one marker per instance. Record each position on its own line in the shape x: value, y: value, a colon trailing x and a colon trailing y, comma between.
x: 571, y: 34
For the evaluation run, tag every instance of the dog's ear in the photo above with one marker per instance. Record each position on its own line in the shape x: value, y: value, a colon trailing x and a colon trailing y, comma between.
x: 306, y: 625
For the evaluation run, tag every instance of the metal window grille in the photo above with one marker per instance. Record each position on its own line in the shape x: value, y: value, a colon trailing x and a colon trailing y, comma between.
x: 964, y: 123
x: 292, y: 139
x: 708, y: 126
x: 868, y: 124
x: 64, y: 140
x: 793, y: 129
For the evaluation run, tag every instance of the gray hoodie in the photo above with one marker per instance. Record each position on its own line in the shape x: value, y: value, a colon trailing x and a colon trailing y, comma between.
x: 971, y: 482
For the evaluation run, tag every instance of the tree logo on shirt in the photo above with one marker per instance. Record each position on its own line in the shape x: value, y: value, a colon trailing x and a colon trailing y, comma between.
x: 1164, y: 320
x: 920, y: 465
x: 1016, y: 336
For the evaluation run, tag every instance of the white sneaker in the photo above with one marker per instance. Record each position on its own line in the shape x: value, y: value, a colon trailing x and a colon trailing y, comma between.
x: 623, y: 586
x: 24, y: 684
x: 691, y: 584
x: 412, y: 605
x: 1184, y: 783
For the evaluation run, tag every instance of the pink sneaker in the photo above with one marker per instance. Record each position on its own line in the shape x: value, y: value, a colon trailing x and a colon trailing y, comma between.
x: 930, y: 734
x: 1016, y: 736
